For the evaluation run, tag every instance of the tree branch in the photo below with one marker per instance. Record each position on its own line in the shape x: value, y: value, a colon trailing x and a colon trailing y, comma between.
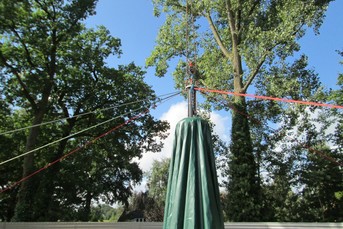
x: 254, y: 73
x: 217, y: 37
x: 45, y: 9
x: 178, y: 6
x: 21, y: 83
x: 230, y: 17
x: 254, y: 6
x: 264, y: 56
x: 28, y: 55
x: 238, y: 19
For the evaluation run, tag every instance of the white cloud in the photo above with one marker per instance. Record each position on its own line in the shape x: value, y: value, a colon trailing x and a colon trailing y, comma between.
x: 222, y: 126
x: 176, y: 113
x: 319, y: 118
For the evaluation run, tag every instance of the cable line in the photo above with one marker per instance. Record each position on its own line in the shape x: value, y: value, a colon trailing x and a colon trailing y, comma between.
x: 311, y: 150
x: 271, y: 98
x: 83, y: 114
x: 74, y: 134
x: 61, y: 119
x: 87, y: 143
x: 69, y: 136
x: 72, y: 152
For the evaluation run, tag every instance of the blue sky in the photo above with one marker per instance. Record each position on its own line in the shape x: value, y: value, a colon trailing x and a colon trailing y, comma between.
x: 133, y: 22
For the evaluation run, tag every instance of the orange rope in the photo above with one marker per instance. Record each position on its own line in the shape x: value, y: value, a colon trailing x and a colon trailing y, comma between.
x: 271, y: 98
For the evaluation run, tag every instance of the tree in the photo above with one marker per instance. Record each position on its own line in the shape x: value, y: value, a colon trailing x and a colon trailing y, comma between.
x: 320, y: 175
x: 244, y: 39
x: 303, y: 171
x: 55, y: 68
x: 337, y: 97
x: 10, y: 147
x: 333, y: 172
x: 157, y: 189
x: 322, y: 179
x: 152, y: 201
x: 279, y: 132
x: 135, y: 208
x: 105, y: 212
x: 32, y: 35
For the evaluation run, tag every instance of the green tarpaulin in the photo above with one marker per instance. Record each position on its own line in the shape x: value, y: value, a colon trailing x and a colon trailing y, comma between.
x: 192, y: 199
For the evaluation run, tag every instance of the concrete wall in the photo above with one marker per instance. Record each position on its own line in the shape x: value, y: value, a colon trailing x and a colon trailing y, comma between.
x: 149, y: 225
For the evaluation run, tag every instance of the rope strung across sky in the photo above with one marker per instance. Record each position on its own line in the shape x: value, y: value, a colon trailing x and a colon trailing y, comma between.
x: 311, y: 150
x: 91, y: 141
x: 79, y: 132
x: 67, y: 137
x: 270, y: 98
x: 147, y: 110
x: 83, y: 114
x: 74, y: 151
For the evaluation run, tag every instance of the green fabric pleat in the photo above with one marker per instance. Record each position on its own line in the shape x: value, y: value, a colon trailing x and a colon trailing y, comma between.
x: 192, y: 199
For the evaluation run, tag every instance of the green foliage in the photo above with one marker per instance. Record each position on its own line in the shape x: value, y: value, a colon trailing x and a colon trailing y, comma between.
x: 339, y: 195
x: 10, y: 146
x: 151, y: 202
x: 55, y: 68
x: 237, y: 45
x: 242, y: 165
x: 157, y: 189
x: 105, y: 213
x: 265, y: 29
x: 158, y: 179
x: 32, y: 33
x: 331, y: 177
x: 337, y: 97
x: 322, y: 180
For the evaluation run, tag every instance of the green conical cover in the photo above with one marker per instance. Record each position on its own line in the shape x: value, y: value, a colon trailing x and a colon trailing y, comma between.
x: 192, y: 199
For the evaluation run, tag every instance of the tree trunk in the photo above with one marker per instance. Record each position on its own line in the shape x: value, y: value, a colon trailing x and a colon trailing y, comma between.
x: 243, y: 183
x: 24, y: 206
x: 45, y: 205
x: 87, y: 209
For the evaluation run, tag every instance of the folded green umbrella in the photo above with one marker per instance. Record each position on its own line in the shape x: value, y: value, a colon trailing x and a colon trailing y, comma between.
x: 192, y: 199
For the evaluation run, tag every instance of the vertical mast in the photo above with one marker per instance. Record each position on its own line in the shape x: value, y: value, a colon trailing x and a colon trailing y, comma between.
x: 191, y: 67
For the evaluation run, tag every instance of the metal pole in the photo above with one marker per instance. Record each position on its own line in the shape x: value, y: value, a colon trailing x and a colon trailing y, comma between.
x: 190, y: 101
x: 191, y: 71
